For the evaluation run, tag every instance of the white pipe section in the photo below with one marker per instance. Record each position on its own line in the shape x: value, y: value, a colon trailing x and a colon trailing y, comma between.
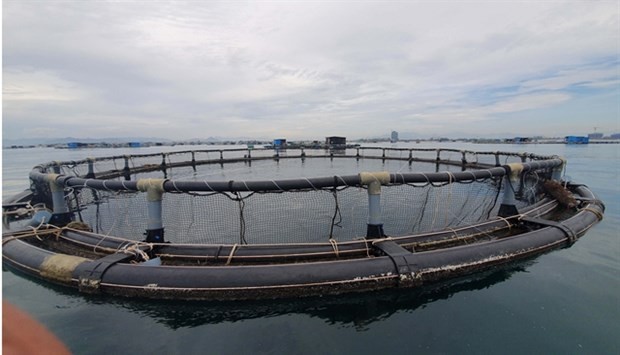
x: 58, y: 195
x: 374, y: 182
x: 154, y: 189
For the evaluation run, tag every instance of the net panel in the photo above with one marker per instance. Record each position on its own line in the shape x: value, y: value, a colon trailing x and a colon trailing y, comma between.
x: 311, y: 215
x: 300, y: 216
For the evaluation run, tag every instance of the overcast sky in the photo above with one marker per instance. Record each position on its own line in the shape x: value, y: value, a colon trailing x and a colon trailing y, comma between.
x: 306, y: 70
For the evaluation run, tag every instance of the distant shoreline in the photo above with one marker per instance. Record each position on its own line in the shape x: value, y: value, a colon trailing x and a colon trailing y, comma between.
x: 302, y: 144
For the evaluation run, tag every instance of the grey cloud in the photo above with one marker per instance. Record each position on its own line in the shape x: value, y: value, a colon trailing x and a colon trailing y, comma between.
x: 177, y: 68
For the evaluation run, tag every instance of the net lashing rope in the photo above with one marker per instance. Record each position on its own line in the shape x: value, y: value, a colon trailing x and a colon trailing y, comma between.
x: 241, y: 202
x: 337, y: 213
x: 334, y: 244
x: 39, y: 231
x: 135, y: 250
x: 232, y: 253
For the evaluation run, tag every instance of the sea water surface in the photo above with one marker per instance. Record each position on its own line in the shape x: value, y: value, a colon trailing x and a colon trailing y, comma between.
x: 563, y: 302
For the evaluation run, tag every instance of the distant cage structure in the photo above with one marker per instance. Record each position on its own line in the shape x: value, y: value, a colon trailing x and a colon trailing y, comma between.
x: 162, y: 197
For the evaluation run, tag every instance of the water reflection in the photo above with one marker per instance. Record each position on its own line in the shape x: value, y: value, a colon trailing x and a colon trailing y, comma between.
x: 352, y: 310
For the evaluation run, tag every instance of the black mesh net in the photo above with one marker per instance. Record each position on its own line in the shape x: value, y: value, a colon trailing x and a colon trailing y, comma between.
x: 310, y: 215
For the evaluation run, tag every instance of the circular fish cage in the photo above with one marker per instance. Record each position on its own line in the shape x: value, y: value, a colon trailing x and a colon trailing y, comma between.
x: 263, y: 223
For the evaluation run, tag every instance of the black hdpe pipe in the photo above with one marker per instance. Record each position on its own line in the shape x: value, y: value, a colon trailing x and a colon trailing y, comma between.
x: 204, y: 282
x: 294, y: 184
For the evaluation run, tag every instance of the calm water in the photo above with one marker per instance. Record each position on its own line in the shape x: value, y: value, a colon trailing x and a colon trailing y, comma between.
x: 563, y: 302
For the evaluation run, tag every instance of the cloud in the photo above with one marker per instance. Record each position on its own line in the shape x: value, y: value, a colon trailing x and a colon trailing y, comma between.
x: 588, y: 77
x: 30, y: 85
x: 178, y: 69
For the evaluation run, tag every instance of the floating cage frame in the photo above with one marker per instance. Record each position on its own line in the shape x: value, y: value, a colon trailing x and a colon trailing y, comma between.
x: 48, y: 233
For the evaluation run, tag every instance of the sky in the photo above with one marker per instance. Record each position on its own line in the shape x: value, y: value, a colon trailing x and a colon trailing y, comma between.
x: 304, y: 70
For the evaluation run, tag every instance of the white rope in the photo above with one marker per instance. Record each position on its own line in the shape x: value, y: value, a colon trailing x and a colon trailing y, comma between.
x: 343, y: 181
x: 276, y: 184
x: 505, y: 221
x: 136, y: 251
x: 232, y: 252
x: 334, y: 244
x: 105, y: 187
x: 174, y: 184
x: 311, y: 184
x: 208, y: 186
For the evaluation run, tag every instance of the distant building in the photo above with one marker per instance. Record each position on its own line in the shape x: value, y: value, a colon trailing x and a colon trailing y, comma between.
x: 521, y: 140
x: 595, y: 135
x: 134, y: 144
x: 615, y: 136
x: 394, y: 137
x: 336, y: 142
x: 74, y: 145
x: 576, y: 140
x: 279, y: 143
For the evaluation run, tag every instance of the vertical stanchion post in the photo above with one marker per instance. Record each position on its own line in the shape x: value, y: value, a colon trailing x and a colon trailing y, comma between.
x: 497, y: 163
x: 91, y: 169
x: 508, y: 207
x: 154, y: 189
x: 56, y: 167
x: 126, y: 171
x: 163, y: 161
x: 374, y: 181
x: 410, y: 156
x: 61, y: 215
x: 194, y: 160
